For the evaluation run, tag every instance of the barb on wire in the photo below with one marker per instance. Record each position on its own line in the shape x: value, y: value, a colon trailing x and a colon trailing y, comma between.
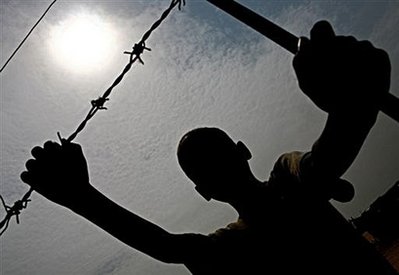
x: 14, y: 210
x: 96, y: 104
x: 134, y: 55
x: 99, y: 103
x: 138, y: 49
x: 184, y: 3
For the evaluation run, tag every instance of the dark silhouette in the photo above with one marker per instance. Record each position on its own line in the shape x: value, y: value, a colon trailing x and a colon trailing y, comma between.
x: 381, y: 219
x: 286, y: 225
x: 380, y: 224
x: 389, y: 104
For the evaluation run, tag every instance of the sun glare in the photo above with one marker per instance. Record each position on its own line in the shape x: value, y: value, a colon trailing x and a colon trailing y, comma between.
x: 82, y: 42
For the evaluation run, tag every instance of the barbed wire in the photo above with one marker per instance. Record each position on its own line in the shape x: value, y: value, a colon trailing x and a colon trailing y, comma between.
x: 96, y: 105
x: 14, y: 210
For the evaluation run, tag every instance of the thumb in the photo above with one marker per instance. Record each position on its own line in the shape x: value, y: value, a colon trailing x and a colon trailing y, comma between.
x: 322, y: 33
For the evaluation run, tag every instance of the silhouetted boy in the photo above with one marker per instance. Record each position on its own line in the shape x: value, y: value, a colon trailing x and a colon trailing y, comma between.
x: 286, y: 225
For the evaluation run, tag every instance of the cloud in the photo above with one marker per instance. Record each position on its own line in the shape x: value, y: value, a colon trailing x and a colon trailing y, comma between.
x: 204, y: 69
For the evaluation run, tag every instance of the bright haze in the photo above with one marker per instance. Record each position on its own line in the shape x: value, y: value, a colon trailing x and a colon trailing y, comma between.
x: 205, y: 69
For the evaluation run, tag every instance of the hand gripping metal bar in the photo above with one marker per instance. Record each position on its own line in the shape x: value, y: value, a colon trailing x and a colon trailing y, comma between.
x: 290, y: 42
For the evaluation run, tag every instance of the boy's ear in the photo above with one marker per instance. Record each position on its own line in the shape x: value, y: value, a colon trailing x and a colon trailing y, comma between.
x: 243, y: 150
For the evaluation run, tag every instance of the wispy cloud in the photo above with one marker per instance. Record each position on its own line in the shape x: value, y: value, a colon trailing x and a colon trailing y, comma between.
x: 205, y: 69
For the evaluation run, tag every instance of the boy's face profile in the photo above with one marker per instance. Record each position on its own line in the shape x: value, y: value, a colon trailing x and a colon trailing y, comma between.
x: 213, y: 162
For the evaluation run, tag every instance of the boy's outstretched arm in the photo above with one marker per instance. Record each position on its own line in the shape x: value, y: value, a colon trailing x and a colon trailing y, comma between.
x: 60, y: 174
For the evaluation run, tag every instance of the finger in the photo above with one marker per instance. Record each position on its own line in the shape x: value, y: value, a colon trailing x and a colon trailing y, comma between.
x: 26, y: 177
x: 322, y: 33
x: 51, y: 146
x: 347, y: 44
x: 37, y: 152
x: 303, y: 44
x: 347, y: 40
x: 31, y: 165
x: 303, y: 59
x: 384, y: 57
x: 366, y: 44
x: 382, y: 60
x: 303, y: 50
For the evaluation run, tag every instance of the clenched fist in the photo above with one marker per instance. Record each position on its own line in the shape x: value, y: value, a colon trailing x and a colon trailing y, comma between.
x: 341, y: 74
x: 58, y: 172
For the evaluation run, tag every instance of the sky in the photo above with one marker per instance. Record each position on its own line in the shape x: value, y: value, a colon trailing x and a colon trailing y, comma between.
x: 205, y: 69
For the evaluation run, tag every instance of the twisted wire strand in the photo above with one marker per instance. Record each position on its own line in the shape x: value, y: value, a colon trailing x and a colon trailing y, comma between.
x: 96, y: 105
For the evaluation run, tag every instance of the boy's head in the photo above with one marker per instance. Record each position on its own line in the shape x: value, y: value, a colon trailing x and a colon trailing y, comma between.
x: 214, y: 162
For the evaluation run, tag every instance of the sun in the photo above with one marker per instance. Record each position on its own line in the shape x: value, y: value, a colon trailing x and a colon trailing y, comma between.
x: 83, y: 42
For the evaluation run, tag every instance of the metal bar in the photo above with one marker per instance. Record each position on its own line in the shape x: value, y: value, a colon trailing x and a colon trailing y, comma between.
x: 272, y: 31
x: 389, y: 104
